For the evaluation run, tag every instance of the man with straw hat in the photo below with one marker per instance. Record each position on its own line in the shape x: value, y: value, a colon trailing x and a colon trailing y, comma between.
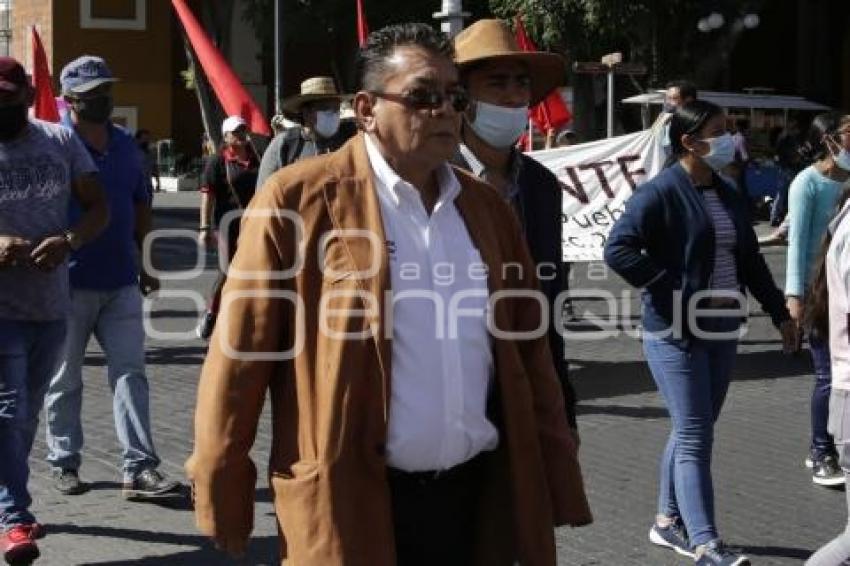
x: 317, y: 106
x: 503, y: 81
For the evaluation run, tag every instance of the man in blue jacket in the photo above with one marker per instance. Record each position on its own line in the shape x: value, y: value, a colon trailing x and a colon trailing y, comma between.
x: 106, y: 302
x: 503, y: 82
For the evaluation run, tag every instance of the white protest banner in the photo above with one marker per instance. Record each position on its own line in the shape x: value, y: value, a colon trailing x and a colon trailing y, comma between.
x: 597, y: 179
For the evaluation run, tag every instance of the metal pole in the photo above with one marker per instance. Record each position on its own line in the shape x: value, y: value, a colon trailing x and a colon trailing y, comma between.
x: 278, y: 56
x: 451, y: 17
x: 611, y: 102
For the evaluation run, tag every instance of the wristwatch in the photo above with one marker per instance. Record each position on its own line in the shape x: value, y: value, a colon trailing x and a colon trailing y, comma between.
x: 73, y: 240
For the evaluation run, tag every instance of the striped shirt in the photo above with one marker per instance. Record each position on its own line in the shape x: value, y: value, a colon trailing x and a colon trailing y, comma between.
x: 725, y: 274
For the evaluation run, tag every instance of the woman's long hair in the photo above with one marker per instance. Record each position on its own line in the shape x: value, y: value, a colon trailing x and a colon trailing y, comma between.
x: 816, y: 314
x: 824, y: 125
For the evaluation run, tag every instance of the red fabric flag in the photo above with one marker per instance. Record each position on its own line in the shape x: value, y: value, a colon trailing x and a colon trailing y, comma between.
x: 362, y: 26
x: 552, y: 111
x: 44, y: 106
x: 232, y: 95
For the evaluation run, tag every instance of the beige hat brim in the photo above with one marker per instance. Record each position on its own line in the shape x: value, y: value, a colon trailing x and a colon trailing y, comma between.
x: 294, y: 103
x: 547, y: 70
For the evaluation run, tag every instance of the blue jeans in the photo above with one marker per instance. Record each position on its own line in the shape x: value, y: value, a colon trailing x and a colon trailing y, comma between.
x: 822, y: 443
x: 29, y: 355
x: 693, y: 378
x: 115, y: 318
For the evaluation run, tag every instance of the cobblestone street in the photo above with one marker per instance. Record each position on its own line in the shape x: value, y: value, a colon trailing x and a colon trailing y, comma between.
x: 766, y: 502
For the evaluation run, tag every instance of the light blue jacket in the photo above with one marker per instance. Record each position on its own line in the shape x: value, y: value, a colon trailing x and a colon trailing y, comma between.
x: 811, y: 205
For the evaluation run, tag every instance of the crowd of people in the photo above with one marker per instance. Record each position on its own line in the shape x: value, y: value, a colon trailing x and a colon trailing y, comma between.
x: 393, y: 444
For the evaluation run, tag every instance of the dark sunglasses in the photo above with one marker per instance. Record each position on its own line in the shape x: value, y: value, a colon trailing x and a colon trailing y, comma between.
x: 427, y: 99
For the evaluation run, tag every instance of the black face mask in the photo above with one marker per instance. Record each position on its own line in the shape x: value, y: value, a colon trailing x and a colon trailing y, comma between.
x: 97, y: 109
x: 13, y: 119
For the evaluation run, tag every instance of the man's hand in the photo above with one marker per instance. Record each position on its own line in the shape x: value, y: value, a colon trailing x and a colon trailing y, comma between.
x: 50, y: 252
x: 795, y: 307
x: 14, y: 251
x: 148, y: 283
x: 791, y: 336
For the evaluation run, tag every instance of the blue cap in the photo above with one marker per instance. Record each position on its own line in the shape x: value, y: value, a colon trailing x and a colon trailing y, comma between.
x: 84, y: 74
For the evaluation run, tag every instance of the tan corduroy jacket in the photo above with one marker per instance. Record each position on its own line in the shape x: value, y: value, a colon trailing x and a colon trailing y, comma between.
x: 330, y: 401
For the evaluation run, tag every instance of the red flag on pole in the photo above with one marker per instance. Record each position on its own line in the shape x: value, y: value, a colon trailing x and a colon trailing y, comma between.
x: 551, y: 112
x: 362, y: 26
x: 44, y: 106
x: 232, y: 95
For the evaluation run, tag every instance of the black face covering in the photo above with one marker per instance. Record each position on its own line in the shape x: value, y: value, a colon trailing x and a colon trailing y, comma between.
x: 96, y: 109
x: 13, y: 119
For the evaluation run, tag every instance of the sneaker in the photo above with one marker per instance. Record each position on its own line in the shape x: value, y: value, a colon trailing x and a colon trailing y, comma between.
x: 205, y: 326
x: 35, y: 530
x: 827, y: 472
x: 715, y: 553
x: 149, y: 484
x: 673, y: 536
x: 67, y: 482
x: 17, y: 546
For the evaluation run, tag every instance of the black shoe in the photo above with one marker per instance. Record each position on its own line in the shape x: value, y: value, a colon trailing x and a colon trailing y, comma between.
x: 149, y: 484
x: 206, y: 326
x: 673, y: 536
x: 715, y: 553
x: 827, y: 472
x: 67, y: 482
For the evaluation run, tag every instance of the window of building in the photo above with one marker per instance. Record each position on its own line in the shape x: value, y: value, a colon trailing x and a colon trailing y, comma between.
x: 113, y: 14
x: 5, y: 27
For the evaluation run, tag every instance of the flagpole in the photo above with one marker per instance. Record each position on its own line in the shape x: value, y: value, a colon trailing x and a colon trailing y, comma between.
x: 278, y: 56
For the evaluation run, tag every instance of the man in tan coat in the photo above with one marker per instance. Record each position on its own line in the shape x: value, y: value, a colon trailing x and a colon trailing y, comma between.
x: 388, y: 304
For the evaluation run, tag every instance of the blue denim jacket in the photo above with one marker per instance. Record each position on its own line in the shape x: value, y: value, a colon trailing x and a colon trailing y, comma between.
x: 664, y: 242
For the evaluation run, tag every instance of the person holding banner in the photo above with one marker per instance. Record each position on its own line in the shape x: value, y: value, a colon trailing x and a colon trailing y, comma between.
x: 503, y: 81
x: 685, y: 237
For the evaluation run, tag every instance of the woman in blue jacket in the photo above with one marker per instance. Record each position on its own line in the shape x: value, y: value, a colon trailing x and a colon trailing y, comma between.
x: 686, y: 238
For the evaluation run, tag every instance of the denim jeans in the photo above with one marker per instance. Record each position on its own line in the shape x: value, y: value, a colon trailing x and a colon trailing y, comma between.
x: 115, y: 318
x: 693, y: 378
x: 837, y: 551
x: 822, y: 443
x: 30, y: 352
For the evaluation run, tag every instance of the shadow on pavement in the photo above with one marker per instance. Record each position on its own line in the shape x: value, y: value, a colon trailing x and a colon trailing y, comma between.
x: 603, y: 380
x: 623, y: 411
x: 777, y: 552
x: 261, y: 550
x: 158, y: 355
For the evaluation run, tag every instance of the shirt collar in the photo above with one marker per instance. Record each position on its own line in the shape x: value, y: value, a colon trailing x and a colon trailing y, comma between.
x: 391, y: 185
x: 480, y: 170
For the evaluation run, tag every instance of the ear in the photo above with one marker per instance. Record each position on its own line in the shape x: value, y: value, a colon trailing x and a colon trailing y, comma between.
x: 690, y: 142
x: 364, y: 110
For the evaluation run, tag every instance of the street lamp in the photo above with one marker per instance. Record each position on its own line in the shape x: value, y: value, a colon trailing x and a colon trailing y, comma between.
x: 716, y: 20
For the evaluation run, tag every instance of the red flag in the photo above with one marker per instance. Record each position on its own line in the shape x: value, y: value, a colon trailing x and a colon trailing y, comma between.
x: 44, y: 106
x: 362, y: 26
x: 552, y: 111
x: 232, y: 95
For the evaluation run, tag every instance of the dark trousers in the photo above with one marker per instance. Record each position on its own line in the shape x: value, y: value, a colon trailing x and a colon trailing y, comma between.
x: 435, y: 516
x: 226, y: 248
x: 822, y: 442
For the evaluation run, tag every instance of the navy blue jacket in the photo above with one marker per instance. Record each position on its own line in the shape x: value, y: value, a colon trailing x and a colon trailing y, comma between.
x: 665, y: 242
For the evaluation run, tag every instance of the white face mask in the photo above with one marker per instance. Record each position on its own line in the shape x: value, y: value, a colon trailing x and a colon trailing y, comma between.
x: 499, y: 126
x: 721, y: 152
x: 843, y: 160
x: 327, y: 123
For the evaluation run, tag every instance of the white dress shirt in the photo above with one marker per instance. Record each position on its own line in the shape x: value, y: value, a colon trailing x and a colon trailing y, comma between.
x: 442, y: 358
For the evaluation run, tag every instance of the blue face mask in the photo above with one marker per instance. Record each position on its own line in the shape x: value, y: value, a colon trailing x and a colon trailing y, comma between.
x: 721, y: 152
